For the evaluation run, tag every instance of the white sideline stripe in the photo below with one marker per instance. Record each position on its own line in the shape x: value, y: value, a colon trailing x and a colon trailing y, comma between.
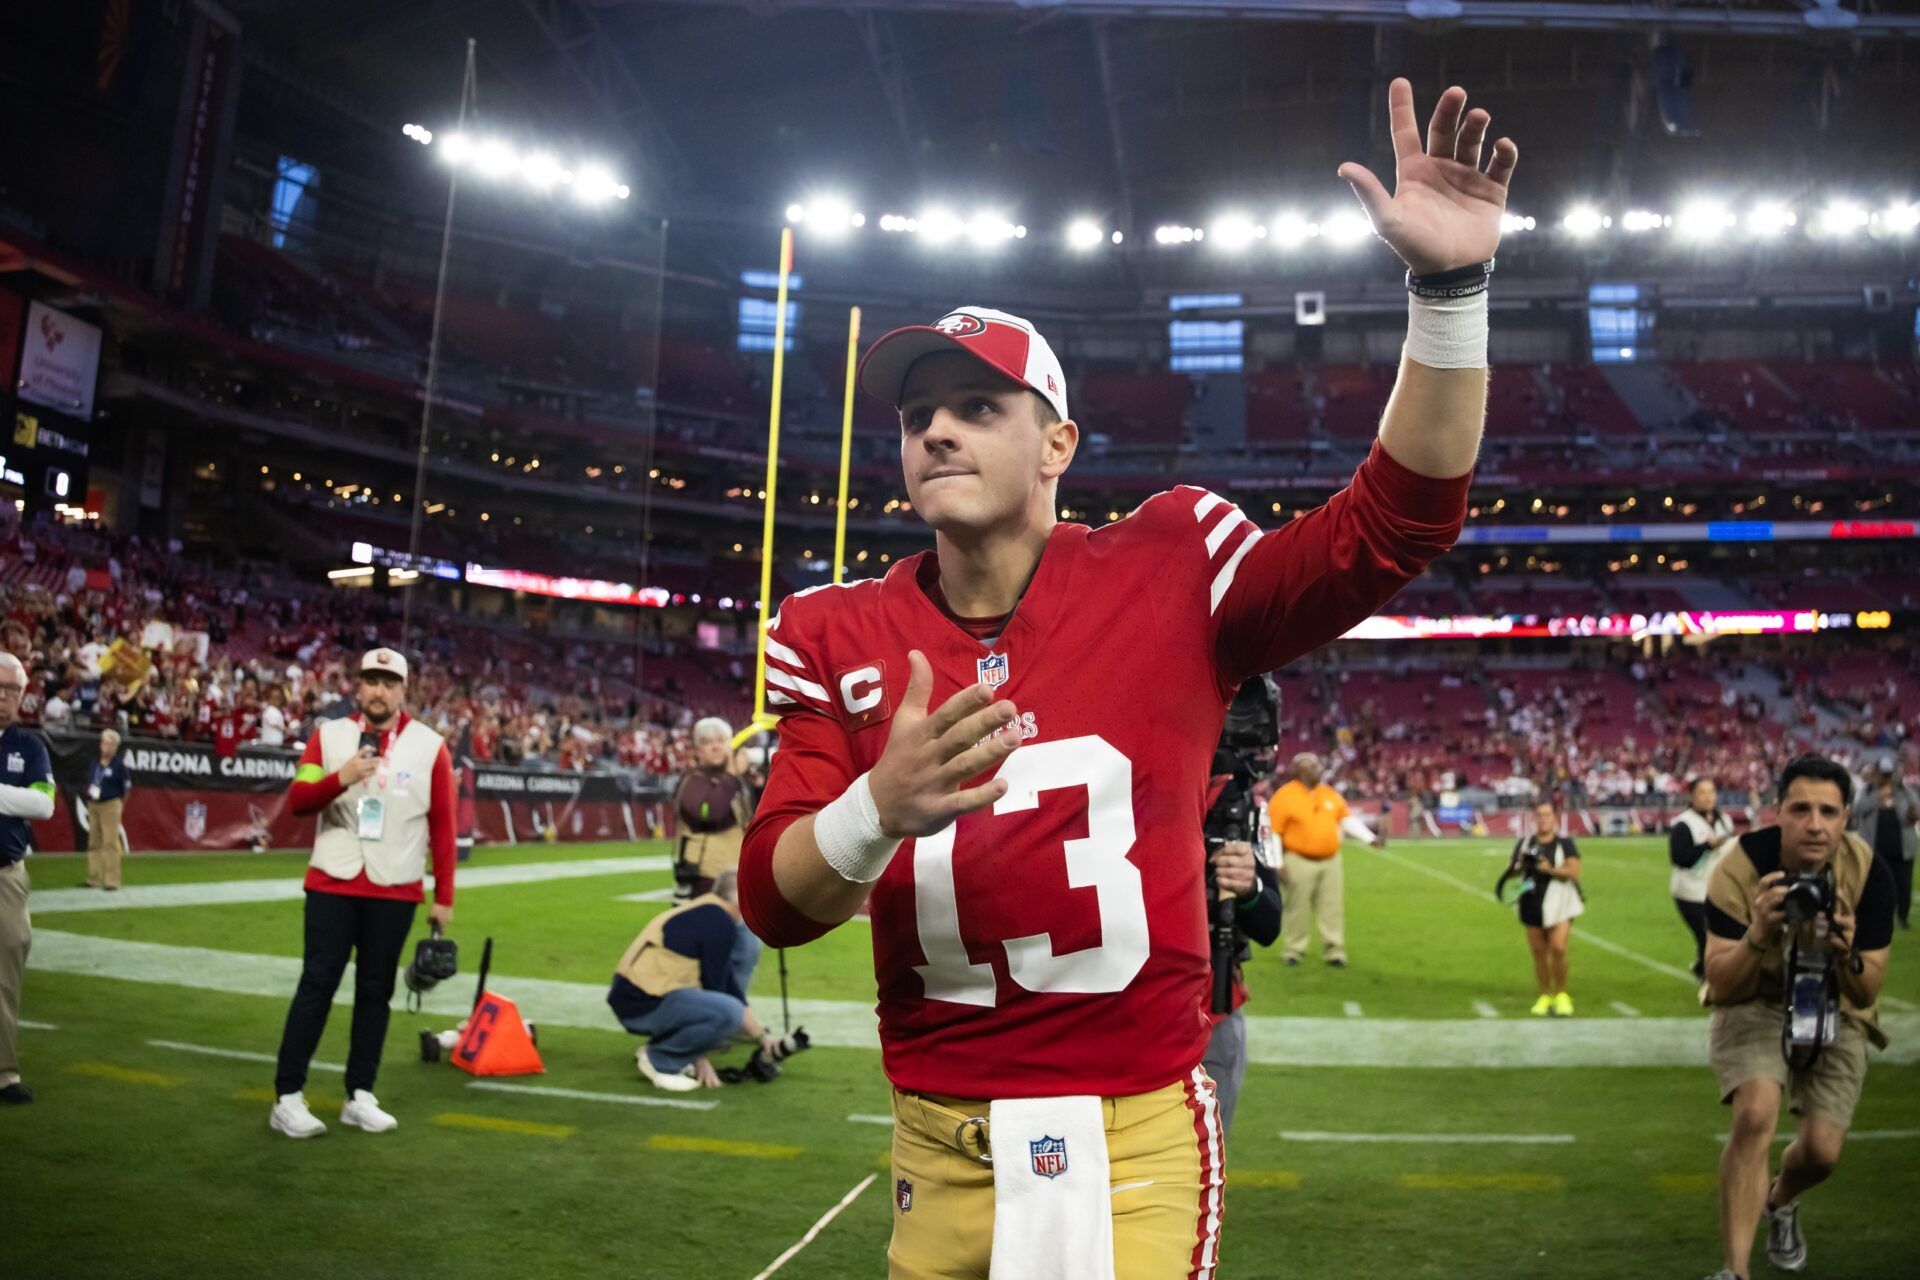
x: 238, y: 1055
x: 648, y: 895
x: 1625, y: 1010
x: 858, y: 1118
x: 27, y: 1024
x: 850, y: 1024
x: 1470, y: 1139
x: 777, y: 650
x: 1485, y: 1010
x: 1586, y: 935
x: 587, y: 1095
x: 1224, y: 578
x: 816, y: 1228
x: 1224, y: 528
x: 795, y: 683
x: 289, y: 888
x: 1352, y: 1009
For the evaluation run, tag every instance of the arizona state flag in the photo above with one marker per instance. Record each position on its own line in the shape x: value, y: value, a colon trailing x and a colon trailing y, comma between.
x: 496, y: 1042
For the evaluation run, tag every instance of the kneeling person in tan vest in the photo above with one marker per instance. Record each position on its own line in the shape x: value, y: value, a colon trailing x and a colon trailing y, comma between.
x: 683, y: 984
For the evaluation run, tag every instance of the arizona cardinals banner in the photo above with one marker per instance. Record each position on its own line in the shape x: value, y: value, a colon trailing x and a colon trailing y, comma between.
x: 185, y: 796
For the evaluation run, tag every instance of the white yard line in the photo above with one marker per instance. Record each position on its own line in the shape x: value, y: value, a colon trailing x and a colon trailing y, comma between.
x: 586, y: 1095
x: 1625, y: 1010
x: 289, y: 888
x: 648, y: 895
x: 238, y: 1055
x: 1435, y: 1139
x: 850, y: 1024
x: 1895, y: 1002
x: 858, y: 1118
x: 27, y: 1024
x: 1482, y: 1009
x: 1586, y: 935
x: 1853, y: 1135
x: 816, y: 1228
x: 1352, y: 1009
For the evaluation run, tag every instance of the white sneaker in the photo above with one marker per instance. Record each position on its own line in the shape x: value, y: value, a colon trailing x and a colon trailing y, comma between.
x: 1786, y: 1247
x: 681, y: 1081
x: 362, y: 1111
x: 291, y: 1117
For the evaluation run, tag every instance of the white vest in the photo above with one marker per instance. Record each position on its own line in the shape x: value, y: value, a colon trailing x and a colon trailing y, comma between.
x: 1689, y: 884
x: 404, y: 785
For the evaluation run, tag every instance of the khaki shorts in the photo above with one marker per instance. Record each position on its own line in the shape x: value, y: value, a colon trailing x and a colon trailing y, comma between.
x: 1743, y: 1043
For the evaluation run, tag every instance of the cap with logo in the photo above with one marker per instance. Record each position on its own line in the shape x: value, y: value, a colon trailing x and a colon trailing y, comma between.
x: 387, y: 660
x: 1007, y: 344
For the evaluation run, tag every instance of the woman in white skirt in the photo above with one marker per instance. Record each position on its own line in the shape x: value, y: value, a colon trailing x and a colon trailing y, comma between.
x: 1547, y: 866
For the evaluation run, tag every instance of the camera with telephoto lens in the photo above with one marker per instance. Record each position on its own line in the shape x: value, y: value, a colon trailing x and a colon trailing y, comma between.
x: 435, y: 959
x: 1809, y: 894
x: 764, y: 1066
x: 1246, y: 747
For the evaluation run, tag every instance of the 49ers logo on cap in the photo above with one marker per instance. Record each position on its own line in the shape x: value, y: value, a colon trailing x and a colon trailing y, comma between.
x: 960, y: 325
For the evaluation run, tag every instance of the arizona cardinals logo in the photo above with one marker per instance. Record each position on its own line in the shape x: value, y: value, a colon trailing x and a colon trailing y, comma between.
x: 960, y: 325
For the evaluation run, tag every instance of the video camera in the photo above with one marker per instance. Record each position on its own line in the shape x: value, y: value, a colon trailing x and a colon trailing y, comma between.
x: 764, y: 1066
x: 435, y: 959
x: 1244, y: 752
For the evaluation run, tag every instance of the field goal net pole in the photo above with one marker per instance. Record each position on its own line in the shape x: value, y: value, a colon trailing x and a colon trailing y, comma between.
x: 762, y: 721
x: 846, y: 450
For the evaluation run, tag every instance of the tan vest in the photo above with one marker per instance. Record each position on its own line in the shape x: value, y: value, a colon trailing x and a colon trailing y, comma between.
x: 1732, y: 888
x: 405, y: 787
x: 656, y: 968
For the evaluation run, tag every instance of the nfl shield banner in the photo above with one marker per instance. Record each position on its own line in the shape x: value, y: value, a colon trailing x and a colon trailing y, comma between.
x: 1049, y: 1156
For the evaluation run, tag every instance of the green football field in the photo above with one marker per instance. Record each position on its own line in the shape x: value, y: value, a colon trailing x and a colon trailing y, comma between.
x: 1403, y: 1117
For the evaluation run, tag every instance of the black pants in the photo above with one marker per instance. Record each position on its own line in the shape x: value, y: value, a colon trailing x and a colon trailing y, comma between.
x: 1902, y: 887
x: 375, y: 931
x: 1695, y: 914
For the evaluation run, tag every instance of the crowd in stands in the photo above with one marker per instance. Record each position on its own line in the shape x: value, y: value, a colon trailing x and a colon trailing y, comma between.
x: 121, y: 632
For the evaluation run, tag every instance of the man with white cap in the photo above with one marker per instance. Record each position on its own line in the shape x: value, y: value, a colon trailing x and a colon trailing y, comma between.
x: 1040, y: 940
x: 26, y: 796
x: 382, y: 785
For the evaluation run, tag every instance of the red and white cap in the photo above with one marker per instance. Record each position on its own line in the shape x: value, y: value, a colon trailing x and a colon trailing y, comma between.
x: 1007, y: 344
x: 391, y: 661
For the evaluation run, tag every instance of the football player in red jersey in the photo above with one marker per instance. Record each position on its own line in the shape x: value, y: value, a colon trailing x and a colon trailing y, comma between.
x: 1004, y: 746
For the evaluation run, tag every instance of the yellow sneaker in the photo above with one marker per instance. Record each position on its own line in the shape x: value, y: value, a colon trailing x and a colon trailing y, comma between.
x: 1543, y: 1006
x: 1563, y: 1005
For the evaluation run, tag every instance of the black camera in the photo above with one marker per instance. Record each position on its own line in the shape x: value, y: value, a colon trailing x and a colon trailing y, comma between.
x: 435, y: 959
x: 1246, y: 745
x: 764, y: 1066
x: 1809, y: 895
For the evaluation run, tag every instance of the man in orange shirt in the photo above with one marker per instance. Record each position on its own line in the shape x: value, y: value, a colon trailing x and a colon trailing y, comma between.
x: 1307, y: 817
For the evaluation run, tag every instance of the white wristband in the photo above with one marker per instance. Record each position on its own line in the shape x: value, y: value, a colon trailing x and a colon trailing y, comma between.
x: 849, y: 835
x: 1447, y: 333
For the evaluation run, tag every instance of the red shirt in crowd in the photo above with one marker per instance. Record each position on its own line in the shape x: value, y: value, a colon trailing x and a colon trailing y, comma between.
x: 309, y: 798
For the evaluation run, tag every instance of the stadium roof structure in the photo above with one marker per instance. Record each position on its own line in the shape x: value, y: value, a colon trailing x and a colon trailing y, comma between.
x: 1133, y: 113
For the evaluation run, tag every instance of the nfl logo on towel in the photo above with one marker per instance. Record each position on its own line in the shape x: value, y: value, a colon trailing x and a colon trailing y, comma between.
x: 992, y: 670
x: 1049, y: 1156
x: 903, y: 1195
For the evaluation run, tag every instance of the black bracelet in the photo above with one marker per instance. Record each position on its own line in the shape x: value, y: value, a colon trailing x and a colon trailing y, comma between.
x: 1460, y: 282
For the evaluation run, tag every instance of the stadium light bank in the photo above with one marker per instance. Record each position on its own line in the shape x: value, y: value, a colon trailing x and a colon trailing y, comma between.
x: 498, y: 160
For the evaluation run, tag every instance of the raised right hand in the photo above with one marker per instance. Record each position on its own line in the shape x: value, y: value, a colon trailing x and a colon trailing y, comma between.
x: 916, y: 782
x: 1768, y: 913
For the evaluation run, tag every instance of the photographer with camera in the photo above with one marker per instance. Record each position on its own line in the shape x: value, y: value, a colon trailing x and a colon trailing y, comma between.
x: 1800, y: 918
x: 683, y: 984
x: 1243, y: 892
x: 714, y: 805
x: 1694, y: 842
x: 1885, y: 813
x: 382, y: 784
x: 1542, y: 880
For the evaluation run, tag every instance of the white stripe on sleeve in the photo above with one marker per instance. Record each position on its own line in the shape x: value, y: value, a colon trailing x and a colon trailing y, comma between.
x: 798, y: 685
x: 1224, y: 579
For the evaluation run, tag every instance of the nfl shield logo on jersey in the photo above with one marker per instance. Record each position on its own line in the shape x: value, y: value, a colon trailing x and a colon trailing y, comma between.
x: 196, y: 822
x: 903, y: 1195
x: 1049, y: 1156
x: 992, y: 670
